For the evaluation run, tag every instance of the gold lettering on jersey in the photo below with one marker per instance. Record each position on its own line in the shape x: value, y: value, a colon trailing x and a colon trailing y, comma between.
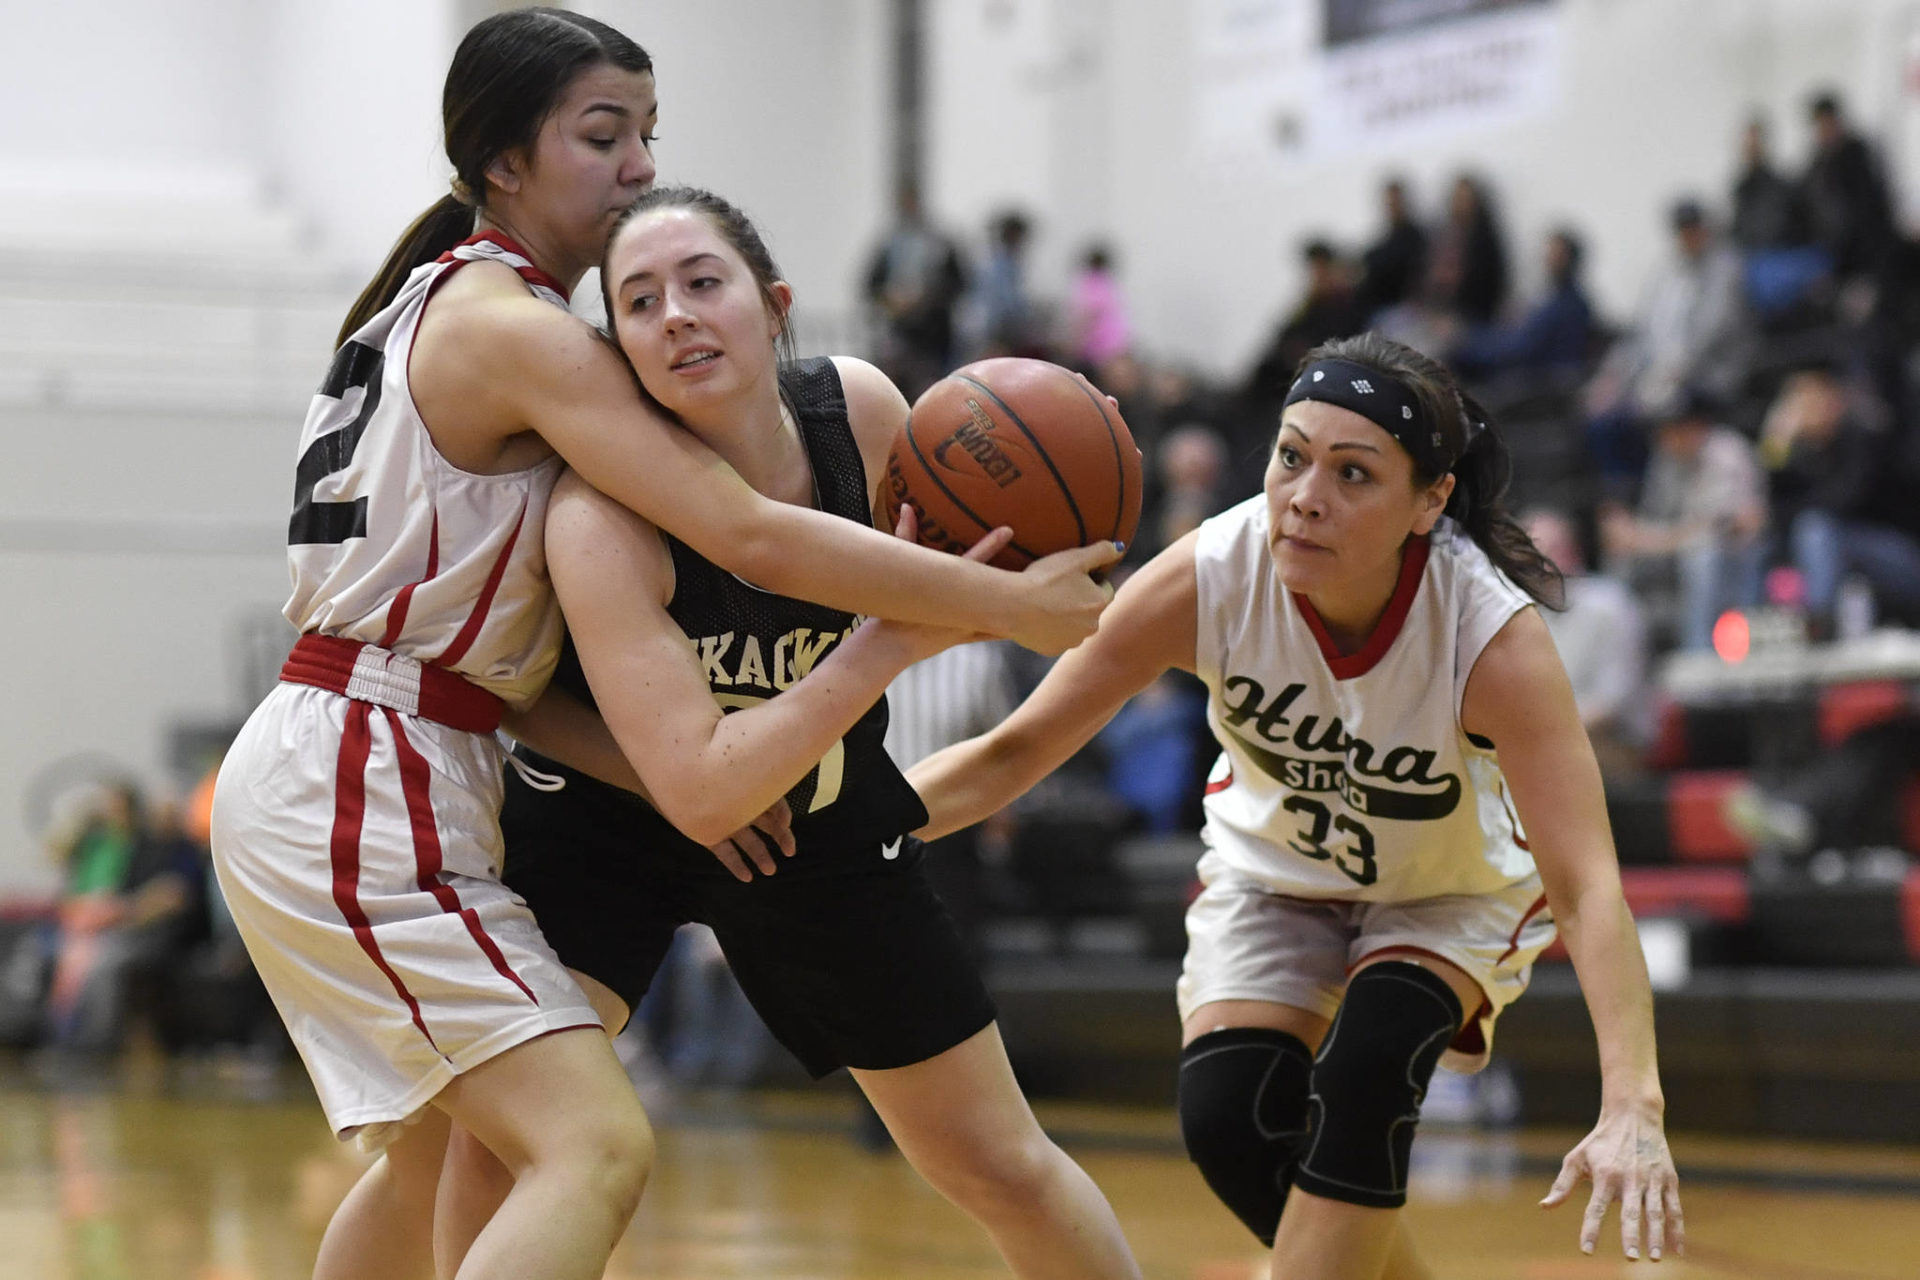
x: 752, y: 669
x: 1417, y: 795
x: 795, y: 654
x: 712, y: 649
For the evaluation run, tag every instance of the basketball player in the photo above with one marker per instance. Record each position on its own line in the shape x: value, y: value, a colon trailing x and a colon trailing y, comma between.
x: 727, y: 698
x: 1404, y: 808
x: 355, y: 822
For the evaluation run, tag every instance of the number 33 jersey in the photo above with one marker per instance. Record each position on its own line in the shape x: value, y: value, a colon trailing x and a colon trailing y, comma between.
x: 1349, y: 776
x: 393, y: 545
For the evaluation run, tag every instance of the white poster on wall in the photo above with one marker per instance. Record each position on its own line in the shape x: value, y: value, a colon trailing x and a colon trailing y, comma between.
x: 1293, y: 81
x: 1398, y: 70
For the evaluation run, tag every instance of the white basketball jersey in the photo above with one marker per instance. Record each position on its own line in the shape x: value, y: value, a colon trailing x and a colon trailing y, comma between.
x: 393, y: 545
x: 1349, y: 776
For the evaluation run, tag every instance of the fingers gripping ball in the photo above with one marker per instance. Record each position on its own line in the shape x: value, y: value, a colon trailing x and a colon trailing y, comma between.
x: 1022, y: 443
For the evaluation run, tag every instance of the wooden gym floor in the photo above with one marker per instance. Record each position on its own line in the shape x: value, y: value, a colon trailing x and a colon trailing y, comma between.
x: 159, y: 1175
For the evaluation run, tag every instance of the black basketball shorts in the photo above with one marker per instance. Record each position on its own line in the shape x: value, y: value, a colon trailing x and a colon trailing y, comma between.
x: 846, y: 953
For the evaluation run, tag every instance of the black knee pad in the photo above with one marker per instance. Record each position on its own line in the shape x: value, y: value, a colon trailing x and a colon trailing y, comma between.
x: 1368, y: 1082
x: 1243, y: 1114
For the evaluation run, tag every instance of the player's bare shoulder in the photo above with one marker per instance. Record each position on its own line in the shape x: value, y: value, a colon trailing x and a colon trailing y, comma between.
x: 875, y: 408
x: 591, y: 538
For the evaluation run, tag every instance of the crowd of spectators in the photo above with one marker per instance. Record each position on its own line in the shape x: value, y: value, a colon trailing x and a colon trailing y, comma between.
x: 136, y: 946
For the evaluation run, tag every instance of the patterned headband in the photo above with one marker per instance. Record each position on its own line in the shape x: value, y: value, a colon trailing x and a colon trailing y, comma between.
x: 1382, y: 400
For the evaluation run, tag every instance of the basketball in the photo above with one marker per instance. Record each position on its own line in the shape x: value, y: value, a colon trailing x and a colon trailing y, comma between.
x: 1022, y: 443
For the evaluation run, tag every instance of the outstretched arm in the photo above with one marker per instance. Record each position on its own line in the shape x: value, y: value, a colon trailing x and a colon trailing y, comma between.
x: 1150, y: 627
x: 573, y: 388
x: 1519, y: 697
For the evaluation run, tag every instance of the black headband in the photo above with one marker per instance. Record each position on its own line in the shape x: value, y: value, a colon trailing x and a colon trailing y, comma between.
x: 1382, y: 400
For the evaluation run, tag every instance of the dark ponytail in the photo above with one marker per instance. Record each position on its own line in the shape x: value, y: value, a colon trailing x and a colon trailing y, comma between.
x: 434, y: 232
x: 1482, y: 467
x: 1480, y: 479
x: 509, y: 72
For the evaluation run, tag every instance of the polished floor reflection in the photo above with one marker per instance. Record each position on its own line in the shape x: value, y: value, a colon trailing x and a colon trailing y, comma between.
x: 228, y: 1175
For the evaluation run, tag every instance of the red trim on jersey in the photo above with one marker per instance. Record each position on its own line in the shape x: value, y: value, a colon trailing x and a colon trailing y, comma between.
x: 530, y: 273
x: 1214, y: 788
x: 1345, y: 666
x: 397, y: 611
x: 1507, y: 803
x: 1469, y: 1039
x: 1513, y: 943
x: 327, y: 662
x: 415, y: 784
x: 471, y: 631
x: 349, y: 816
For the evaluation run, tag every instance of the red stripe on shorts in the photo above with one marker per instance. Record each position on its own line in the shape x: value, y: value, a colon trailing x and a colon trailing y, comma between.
x: 1513, y: 943
x: 349, y: 815
x: 397, y: 611
x: 415, y: 778
x: 468, y: 633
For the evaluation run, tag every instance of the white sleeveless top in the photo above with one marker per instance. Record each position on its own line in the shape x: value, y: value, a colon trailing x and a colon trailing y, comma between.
x: 1350, y: 777
x: 393, y: 545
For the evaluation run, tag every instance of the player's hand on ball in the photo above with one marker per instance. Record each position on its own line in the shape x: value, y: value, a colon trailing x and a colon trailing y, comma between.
x: 1626, y: 1159
x: 755, y: 843
x: 1072, y: 585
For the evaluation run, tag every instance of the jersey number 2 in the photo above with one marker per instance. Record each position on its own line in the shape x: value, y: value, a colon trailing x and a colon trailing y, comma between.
x: 1355, y: 861
x: 355, y: 365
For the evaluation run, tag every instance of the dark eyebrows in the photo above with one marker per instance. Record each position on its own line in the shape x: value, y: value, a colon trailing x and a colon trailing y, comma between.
x: 1332, y: 448
x: 685, y: 262
x: 611, y: 108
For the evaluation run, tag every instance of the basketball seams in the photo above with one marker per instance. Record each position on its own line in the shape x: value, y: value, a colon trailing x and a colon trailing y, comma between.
x: 927, y: 470
x: 1119, y: 462
x: 1059, y: 480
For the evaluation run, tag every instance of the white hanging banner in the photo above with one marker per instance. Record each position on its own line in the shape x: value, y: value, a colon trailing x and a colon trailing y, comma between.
x: 1396, y: 70
x: 1292, y: 81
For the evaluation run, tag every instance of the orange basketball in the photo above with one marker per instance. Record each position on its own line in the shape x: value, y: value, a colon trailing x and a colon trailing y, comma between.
x: 1022, y: 443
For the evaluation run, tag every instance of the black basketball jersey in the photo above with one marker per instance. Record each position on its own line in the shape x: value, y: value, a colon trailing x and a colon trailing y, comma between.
x: 753, y: 644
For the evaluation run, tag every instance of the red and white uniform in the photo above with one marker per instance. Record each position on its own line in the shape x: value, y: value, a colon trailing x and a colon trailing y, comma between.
x: 1349, y: 813
x: 355, y: 821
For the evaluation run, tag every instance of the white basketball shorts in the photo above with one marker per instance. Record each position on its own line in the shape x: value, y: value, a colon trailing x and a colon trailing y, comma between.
x: 1246, y: 942
x: 359, y: 850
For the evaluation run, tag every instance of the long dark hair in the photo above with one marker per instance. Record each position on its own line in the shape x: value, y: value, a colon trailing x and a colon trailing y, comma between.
x: 507, y: 75
x: 734, y: 227
x: 1483, y: 466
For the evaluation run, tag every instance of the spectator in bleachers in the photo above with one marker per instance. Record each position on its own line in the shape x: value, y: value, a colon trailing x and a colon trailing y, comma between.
x: 1552, y: 340
x: 1839, y: 494
x: 1190, y: 468
x: 1769, y: 208
x: 1329, y: 308
x: 1851, y: 210
x: 1466, y: 279
x: 915, y: 280
x: 1392, y: 267
x: 1602, y: 638
x: 1692, y: 330
x: 127, y: 910
x: 1786, y: 273
x: 1008, y: 323
x: 1699, y: 526
x: 1467, y: 276
x: 1098, y: 327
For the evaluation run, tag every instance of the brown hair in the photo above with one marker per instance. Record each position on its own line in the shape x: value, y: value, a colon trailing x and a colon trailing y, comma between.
x: 507, y: 75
